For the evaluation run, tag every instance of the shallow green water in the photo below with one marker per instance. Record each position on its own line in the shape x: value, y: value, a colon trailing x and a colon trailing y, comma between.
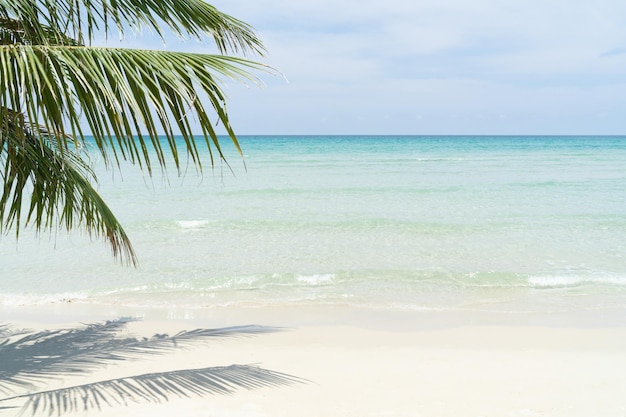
x: 511, y: 224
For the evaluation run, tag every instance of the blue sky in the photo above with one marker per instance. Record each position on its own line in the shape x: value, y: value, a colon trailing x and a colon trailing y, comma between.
x: 434, y: 67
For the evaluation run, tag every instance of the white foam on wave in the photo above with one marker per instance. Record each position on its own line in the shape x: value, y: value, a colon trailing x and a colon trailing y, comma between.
x: 316, y: 279
x: 238, y: 282
x: 123, y: 290
x: 561, y: 281
x: 15, y: 300
x: 192, y: 224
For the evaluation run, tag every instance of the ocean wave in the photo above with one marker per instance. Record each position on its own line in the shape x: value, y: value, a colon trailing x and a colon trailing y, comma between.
x: 398, y: 289
x: 316, y: 279
x: 192, y: 224
x: 567, y: 281
x: 17, y: 300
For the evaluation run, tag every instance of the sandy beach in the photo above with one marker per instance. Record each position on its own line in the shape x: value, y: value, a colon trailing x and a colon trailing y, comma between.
x: 419, y: 367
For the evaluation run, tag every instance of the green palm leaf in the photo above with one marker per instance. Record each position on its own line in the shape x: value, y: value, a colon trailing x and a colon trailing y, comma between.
x: 56, y: 93
x: 58, y: 184
x: 82, y: 19
x: 124, y: 95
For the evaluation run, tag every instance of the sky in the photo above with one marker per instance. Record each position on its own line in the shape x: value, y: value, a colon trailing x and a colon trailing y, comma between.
x: 433, y: 67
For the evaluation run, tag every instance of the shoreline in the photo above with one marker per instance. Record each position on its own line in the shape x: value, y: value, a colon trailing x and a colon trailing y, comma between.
x: 307, y: 315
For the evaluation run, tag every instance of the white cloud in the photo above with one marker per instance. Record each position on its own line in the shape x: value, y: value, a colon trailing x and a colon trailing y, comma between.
x: 548, y: 66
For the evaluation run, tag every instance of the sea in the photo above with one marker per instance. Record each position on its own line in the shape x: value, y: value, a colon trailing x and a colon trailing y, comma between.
x: 507, y: 225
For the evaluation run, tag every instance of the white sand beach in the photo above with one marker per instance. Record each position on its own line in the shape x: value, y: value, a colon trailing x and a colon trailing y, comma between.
x: 425, y: 369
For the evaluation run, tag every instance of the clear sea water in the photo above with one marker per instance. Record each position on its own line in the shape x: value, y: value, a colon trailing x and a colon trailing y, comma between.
x: 498, y: 224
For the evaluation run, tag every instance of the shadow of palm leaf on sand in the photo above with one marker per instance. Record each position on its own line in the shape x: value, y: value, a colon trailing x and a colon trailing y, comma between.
x: 30, y: 359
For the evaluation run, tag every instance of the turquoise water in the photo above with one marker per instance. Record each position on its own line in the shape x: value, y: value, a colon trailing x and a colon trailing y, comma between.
x: 504, y: 224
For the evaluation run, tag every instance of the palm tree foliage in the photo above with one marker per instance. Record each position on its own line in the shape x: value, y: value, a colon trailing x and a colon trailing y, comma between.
x: 29, y: 359
x: 57, y: 91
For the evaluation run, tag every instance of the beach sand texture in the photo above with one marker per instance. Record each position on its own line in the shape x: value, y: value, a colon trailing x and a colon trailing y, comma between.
x: 352, y: 370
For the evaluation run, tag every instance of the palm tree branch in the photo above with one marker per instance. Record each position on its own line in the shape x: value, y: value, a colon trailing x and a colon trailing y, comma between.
x: 189, y: 18
x: 12, y: 31
x: 59, y: 185
x: 118, y: 92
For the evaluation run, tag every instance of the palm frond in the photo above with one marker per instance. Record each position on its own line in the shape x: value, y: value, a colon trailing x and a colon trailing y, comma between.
x: 81, y: 19
x: 125, y: 96
x: 52, y: 86
x: 43, y: 355
x: 153, y: 387
x: 12, y: 31
x: 58, y: 182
